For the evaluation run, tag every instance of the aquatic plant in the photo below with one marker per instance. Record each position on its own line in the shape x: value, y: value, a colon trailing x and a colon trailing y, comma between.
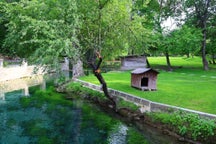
x: 25, y: 102
x: 11, y: 122
x: 135, y: 137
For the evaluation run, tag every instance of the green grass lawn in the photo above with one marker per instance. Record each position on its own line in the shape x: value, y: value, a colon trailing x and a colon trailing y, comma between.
x: 188, y: 86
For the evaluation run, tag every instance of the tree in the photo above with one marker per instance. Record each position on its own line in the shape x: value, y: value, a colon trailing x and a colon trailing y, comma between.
x: 211, y: 39
x: 155, y: 14
x: 103, y: 30
x: 112, y: 27
x: 42, y: 31
x: 101, y: 22
x: 199, y: 12
x: 97, y: 73
x: 185, y: 41
x: 143, y: 16
x: 2, y: 36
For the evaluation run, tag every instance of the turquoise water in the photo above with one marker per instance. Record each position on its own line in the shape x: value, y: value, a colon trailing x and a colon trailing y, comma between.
x: 35, y: 119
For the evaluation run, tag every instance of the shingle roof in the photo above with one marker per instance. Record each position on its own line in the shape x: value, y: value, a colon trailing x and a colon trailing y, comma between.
x: 143, y: 70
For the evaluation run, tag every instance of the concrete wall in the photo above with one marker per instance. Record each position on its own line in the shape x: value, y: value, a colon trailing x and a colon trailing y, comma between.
x: 16, y: 72
x: 146, y: 105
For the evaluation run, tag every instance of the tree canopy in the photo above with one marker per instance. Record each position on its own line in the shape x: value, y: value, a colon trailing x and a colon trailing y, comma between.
x: 41, y: 30
x: 46, y: 31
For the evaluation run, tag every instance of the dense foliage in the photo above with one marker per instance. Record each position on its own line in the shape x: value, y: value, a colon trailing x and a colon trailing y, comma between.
x: 46, y: 31
x: 43, y: 31
x: 188, y: 125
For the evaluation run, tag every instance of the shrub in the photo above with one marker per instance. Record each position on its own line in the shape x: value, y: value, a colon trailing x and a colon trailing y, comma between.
x: 77, y: 88
x: 187, y: 124
x: 123, y: 103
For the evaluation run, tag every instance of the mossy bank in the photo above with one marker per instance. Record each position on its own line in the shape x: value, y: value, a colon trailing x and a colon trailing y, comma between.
x: 186, y: 128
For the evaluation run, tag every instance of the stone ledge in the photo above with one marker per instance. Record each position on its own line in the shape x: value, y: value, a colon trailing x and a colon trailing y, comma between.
x: 147, y: 105
x: 16, y: 72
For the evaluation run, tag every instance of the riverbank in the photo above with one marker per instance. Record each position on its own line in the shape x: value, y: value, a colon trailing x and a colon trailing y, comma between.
x: 131, y: 113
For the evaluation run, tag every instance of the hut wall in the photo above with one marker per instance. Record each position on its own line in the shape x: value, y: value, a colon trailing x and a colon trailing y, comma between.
x: 152, y: 81
x: 136, y: 80
x: 133, y: 62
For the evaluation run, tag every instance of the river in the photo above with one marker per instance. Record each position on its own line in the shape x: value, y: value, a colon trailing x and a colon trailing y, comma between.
x: 31, y: 114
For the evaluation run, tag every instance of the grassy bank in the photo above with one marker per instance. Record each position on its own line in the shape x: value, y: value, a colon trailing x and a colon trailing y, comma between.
x: 187, y: 86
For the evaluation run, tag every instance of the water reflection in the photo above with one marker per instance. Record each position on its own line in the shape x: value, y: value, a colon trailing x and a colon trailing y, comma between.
x: 119, y: 136
x: 21, y: 84
x: 2, y: 96
x: 44, y: 118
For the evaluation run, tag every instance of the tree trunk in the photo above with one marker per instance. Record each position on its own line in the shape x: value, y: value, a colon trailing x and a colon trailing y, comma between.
x: 100, y: 78
x: 104, y: 87
x: 213, y: 58
x: 203, y: 49
x: 188, y: 54
x: 202, y: 16
x: 168, y: 61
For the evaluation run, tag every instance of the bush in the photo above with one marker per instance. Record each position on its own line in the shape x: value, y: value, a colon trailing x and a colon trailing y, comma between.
x: 77, y: 88
x: 187, y: 124
x: 123, y: 103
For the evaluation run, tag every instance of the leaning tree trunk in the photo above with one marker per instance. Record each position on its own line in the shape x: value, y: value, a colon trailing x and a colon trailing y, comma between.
x: 104, y: 87
x: 96, y: 71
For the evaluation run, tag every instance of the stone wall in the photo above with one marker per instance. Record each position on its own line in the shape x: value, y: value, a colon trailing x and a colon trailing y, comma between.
x: 16, y: 72
x: 146, y: 105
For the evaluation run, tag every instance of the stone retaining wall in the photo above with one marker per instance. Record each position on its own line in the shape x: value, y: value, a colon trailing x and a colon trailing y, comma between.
x: 146, y: 105
x: 16, y: 72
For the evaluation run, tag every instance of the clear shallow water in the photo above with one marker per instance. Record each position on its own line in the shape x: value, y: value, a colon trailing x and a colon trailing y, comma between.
x: 73, y: 122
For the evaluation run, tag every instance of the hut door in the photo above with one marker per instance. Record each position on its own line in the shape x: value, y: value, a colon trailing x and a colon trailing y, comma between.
x: 144, y: 82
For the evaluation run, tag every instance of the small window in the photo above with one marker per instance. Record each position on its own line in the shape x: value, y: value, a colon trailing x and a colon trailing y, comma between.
x: 144, y: 82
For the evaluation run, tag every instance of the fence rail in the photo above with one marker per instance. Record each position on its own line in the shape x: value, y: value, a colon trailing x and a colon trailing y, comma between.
x: 146, y: 105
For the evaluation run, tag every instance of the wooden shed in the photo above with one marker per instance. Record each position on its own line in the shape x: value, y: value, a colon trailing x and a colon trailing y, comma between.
x: 144, y: 78
x: 133, y: 62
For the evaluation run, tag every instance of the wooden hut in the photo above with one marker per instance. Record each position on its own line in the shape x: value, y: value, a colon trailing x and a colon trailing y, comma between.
x: 133, y: 62
x: 144, y: 78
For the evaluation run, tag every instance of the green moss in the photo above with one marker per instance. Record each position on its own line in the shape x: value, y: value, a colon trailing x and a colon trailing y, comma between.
x: 34, y: 128
x: 78, y: 89
x: 122, y: 103
x: 50, y: 108
x: 45, y: 140
x: 41, y: 97
x: 12, y: 108
x: 100, y: 119
x: 11, y: 122
x: 25, y: 102
x: 74, y: 87
x: 135, y: 137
